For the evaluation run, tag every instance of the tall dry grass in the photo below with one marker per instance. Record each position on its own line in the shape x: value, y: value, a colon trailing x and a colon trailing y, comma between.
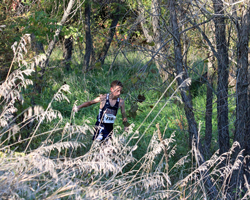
x: 102, y: 172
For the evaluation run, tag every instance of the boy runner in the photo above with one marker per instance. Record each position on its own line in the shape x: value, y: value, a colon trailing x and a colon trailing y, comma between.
x: 109, y: 105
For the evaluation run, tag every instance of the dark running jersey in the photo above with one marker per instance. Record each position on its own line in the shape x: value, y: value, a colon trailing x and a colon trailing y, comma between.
x: 107, y: 115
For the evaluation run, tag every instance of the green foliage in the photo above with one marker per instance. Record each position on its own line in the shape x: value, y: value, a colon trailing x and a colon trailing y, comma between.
x: 54, y: 135
x: 68, y: 31
x: 8, y: 36
x: 41, y: 24
x: 62, y: 138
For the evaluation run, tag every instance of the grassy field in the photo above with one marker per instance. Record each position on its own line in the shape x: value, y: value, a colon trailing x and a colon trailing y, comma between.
x: 50, y: 155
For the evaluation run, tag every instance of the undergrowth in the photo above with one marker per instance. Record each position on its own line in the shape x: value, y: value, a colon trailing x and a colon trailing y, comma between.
x: 45, y: 155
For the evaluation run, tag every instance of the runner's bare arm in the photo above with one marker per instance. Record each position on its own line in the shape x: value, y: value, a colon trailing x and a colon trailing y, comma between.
x: 102, y: 100
x: 122, y: 106
x: 124, y: 118
x: 89, y: 103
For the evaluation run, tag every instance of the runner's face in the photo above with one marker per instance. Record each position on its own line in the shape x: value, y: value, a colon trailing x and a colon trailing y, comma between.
x: 116, y: 91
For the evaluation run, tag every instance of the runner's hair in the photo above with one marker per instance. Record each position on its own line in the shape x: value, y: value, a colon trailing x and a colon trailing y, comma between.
x: 116, y: 83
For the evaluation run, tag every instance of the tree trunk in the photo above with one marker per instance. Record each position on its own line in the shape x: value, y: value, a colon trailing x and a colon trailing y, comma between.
x: 89, y: 52
x: 212, y: 192
x: 58, y: 31
x: 179, y: 69
x: 247, y: 137
x: 115, y: 18
x: 35, y: 45
x: 241, y: 129
x: 209, y: 105
x: 242, y: 117
x: 38, y: 48
x: 193, y: 131
x: 222, y: 85
x: 160, y: 59
x: 67, y: 51
x: 184, y: 36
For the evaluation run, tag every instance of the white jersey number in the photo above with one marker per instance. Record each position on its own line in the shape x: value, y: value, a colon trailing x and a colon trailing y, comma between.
x: 109, y: 118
